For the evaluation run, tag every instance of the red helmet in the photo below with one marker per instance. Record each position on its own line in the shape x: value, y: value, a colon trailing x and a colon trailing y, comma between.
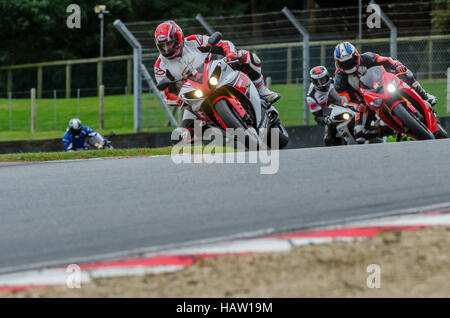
x: 169, y: 39
x: 320, y: 78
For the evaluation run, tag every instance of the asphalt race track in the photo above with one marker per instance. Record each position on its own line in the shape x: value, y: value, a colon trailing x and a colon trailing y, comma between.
x: 77, y: 211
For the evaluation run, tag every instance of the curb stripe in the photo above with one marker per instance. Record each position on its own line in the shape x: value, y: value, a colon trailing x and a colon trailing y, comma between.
x: 178, y: 259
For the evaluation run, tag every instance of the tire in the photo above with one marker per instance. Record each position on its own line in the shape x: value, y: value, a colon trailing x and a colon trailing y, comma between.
x: 412, y: 123
x: 441, y: 133
x: 231, y: 121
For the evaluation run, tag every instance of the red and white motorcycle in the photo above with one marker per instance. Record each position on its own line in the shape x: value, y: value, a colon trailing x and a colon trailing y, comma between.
x: 226, y: 98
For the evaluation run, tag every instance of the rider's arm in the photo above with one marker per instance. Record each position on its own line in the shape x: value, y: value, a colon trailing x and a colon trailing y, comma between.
x: 315, y: 107
x: 345, y: 91
x: 89, y: 131
x: 224, y: 47
x: 170, y: 94
x: 370, y: 59
x: 67, y: 141
x: 335, y: 98
x: 316, y: 110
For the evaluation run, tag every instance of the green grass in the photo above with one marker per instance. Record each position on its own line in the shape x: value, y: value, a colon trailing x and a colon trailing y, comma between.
x: 52, y: 156
x: 119, y: 112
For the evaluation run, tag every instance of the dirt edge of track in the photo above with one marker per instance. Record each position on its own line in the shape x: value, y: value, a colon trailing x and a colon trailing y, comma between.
x: 412, y: 263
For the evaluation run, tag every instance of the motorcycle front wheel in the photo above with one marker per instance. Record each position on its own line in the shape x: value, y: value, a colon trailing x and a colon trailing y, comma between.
x: 231, y: 120
x: 412, y: 123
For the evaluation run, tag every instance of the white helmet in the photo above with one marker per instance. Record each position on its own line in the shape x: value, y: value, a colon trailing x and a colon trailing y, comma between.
x: 346, y: 57
x: 75, y: 126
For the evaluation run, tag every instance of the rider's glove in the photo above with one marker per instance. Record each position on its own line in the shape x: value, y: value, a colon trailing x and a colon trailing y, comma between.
x: 400, y: 68
x: 361, y: 108
x: 327, y: 120
x: 350, y: 106
x: 231, y: 56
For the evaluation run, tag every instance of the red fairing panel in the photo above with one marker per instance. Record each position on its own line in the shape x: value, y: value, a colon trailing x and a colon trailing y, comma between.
x: 234, y: 102
x: 242, y: 83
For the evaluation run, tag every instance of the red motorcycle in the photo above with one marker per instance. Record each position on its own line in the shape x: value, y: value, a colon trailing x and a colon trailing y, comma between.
x: 399, y: 106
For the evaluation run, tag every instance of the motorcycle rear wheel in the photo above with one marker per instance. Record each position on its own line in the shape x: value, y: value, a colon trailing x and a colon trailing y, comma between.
x: 411, y: 122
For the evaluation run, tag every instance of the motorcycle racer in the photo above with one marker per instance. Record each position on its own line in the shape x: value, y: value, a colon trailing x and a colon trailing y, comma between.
x: 76, y: 134
x: 322, y: 93
x: 350, y: 66
x: 179, y: 55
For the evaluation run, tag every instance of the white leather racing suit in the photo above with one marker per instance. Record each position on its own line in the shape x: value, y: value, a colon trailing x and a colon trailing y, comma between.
x: 195, y: 50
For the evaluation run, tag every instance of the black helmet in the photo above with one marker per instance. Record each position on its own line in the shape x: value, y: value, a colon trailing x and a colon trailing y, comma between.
x: 320, y: 78
x: 75, y: 126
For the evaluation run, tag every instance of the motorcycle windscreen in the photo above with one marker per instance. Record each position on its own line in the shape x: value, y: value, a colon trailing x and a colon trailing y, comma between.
x: 95, y: 139
x: 372, y: 80
x: 196, y: 75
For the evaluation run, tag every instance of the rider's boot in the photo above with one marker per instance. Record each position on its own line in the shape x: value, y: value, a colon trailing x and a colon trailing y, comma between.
x: 432, y: 100
x: 274, y: 116
x: 264, y: 92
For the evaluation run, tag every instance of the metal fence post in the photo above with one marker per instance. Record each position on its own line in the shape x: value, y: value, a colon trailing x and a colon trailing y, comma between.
x: 448, y: 90
x: 68, y: 84
x: 10, y: 81
x: 137, y: 78
x: 297, y: 90
x: 268, y: 81
x: 289, y: 65
x: 126, y: 103
x: 154, y: 89
x: 322, y: 54
x: 39, y: 82
x: 430, y: 59
x: 54, y: 108
x: 101, y: 106
x: 78, y: 103
x: 305, y: 34
x: 10, y: 110
x: 33, y: 109
x: 204, y: 24
x: 393, y: 31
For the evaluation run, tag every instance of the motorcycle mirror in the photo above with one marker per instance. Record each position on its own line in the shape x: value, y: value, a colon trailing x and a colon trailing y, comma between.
x: 163, y: 84
x: 214, y: 38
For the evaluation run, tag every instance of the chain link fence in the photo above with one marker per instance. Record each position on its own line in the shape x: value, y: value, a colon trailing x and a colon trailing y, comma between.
x: 422, y: 47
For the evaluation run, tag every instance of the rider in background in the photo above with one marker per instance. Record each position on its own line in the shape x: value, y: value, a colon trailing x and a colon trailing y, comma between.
x: 179, y: 55
x: 75, y: 137
x: 350, y: 66
x: 322, y: 93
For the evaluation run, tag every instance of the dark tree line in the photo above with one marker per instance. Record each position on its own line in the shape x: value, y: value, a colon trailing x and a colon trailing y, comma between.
x: 35, y: 30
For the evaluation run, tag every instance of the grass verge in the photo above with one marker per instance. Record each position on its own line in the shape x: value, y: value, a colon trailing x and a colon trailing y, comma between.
x: 88, y: 154
x: 52, y: 118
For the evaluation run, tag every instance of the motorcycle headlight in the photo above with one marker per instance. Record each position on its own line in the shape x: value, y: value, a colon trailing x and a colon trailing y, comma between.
x: 213, y: 81
x: 392, y: 87
x: 215, y: 76
x: 346, y: 116
x: 198, y: 93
